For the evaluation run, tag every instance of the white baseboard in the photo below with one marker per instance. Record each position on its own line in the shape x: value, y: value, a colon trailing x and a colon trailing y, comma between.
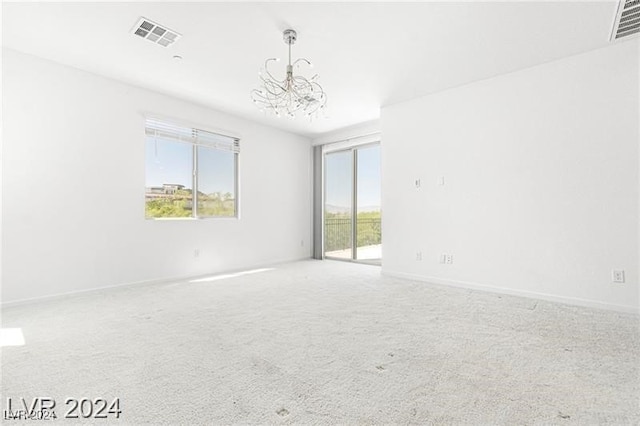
x: 154, y: 281
x: 513, y: 292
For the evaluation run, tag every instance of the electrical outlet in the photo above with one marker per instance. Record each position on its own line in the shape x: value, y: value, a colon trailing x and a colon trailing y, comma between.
x: 196, y: 253
x: 419, y: 255
x: 448, y: 259
x: 617, y: 275
x: 443, y: 258
x: 417, y: 183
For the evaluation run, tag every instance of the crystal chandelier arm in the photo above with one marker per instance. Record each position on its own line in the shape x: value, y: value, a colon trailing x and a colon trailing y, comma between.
x: 302, y: 92
x: 302, y: 59
x: 273, y: 87
x: 265, y: 102
x: 269, y: 88
x: 272, y: 95
x: 311, y: 94
x: 266, y: 70
x: 308, y: 86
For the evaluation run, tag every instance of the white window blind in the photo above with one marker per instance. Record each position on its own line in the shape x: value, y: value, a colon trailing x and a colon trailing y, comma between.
x: 163, y: 129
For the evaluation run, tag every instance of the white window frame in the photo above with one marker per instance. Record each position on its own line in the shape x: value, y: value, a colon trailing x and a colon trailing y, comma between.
x: 194, y: 136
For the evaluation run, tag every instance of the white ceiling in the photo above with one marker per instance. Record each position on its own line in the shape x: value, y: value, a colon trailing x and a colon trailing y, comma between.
x: 367, y: 54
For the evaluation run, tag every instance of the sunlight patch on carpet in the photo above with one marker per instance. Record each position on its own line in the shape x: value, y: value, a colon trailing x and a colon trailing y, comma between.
x: 232, y: 275
x: 11, y: 337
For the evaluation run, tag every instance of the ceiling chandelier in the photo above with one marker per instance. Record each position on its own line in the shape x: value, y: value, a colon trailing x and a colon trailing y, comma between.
x: 293, y: 94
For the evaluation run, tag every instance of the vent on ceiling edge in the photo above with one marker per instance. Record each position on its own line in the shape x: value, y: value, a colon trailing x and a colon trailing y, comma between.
x: 155, y: 33
x: 627, y: 19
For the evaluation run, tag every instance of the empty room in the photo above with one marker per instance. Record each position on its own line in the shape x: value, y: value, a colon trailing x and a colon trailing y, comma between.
x: 320, y: 213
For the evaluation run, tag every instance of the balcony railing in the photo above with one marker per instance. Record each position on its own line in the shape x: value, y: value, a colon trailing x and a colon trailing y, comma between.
x: 337, y: 233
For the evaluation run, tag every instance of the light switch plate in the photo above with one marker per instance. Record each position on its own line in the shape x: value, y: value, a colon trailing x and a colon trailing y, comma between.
x: 617, y: 276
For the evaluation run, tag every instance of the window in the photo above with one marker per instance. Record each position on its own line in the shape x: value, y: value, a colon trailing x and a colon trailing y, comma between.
x: 187, y: 167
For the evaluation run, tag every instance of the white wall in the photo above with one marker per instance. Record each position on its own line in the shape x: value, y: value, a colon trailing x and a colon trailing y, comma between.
x: 359, y: 133
x: 74, y: 182
x: 541, y: 181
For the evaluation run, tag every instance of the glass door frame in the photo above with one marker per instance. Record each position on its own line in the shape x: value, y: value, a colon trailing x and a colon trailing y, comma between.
x: 354, y: 201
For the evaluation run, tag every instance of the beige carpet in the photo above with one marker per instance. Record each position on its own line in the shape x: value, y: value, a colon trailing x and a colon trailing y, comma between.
x: 325, y: 343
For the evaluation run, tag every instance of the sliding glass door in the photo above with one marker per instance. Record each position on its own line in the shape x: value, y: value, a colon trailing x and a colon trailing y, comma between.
x: 338, y: 205
x: 352, y: 215
x: 368, y: 215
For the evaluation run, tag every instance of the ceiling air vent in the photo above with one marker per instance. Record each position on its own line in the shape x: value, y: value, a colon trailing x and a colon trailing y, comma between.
x: 627, y: 19
x: 155, y: 33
